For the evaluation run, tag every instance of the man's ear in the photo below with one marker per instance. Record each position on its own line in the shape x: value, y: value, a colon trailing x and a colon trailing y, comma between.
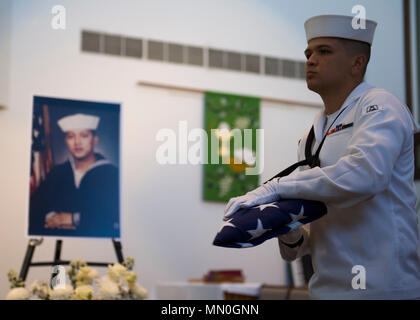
x: 359, y: 63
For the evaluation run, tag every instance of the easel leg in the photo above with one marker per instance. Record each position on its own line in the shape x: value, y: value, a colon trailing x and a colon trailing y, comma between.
x: 28, y: 257
x: 118, y: 250
x: 27, y: 261
x: 57, y: 254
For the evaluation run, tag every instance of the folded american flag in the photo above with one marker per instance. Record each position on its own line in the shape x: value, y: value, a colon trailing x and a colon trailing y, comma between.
x: 250, y: 227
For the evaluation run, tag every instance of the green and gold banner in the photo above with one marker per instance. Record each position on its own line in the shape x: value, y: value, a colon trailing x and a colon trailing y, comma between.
x: 231, y: 123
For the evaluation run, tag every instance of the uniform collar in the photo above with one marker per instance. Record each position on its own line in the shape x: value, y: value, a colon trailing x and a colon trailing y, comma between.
x: 320, y: 118
x: 99, y: 162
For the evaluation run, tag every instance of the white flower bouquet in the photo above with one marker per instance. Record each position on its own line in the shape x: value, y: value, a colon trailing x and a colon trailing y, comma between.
x: 120, y: 283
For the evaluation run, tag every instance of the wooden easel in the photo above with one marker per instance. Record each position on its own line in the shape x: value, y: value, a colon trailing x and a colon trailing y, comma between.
x: 27, y: 261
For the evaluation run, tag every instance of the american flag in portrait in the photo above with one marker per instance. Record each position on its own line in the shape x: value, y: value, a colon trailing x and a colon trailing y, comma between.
x: 41, y: 154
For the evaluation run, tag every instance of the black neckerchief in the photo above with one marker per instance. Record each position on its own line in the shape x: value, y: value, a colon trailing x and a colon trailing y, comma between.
x: 311, y: 160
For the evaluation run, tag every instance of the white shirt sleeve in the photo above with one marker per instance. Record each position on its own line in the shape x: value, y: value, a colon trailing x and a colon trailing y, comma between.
x: 365, y: 170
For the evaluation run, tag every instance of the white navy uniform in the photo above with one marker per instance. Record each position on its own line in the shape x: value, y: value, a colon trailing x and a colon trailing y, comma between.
x: 366, y: 181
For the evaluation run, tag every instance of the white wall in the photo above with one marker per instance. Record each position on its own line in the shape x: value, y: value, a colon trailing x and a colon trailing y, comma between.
x: 5, y: 32
x: 386, y: 68
x: 167, y: 228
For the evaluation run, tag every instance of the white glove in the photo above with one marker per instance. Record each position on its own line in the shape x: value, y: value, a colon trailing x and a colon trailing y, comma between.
x: 264, y: 194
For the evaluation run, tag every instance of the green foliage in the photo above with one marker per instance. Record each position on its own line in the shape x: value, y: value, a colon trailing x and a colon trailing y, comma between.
x: 15, y: 282
x: 75, y: 266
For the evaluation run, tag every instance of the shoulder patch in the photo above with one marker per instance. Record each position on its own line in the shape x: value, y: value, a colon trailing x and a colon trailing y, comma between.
x: 372, y: 109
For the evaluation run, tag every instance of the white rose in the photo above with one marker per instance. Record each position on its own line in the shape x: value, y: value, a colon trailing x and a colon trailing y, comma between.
x: 116, y: 271
x: 38, y: 285
x: 86, y: 275
x: 18, y: 294
x: 108, y: 289
x: 131, y: 277
x: 65, y: 293
x: 40, y: 289
x: 138, y: 292
x: 84, y: 292
x: 89, y: 272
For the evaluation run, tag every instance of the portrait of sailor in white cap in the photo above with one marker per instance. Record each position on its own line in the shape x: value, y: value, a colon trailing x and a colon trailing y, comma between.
x: 361, y: 165
x: 79, y: 196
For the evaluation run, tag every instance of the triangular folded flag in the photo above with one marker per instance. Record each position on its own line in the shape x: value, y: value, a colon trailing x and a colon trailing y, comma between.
x: 250, y: 227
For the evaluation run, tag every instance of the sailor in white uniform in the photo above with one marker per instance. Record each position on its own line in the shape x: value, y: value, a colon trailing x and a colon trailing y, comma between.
x: 365, y: 175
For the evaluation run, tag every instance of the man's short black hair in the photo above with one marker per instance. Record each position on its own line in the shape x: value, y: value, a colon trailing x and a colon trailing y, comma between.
x: 354, y: 47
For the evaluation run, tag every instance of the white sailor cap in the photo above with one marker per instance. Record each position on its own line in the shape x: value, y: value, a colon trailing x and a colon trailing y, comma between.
x: 339, y: 26
x: 78, y: 121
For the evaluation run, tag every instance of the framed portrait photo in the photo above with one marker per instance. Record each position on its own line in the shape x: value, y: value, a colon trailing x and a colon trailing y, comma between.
x: 75, y: 169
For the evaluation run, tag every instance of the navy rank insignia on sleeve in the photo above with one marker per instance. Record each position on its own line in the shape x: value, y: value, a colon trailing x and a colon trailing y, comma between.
x: 372, y: 108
